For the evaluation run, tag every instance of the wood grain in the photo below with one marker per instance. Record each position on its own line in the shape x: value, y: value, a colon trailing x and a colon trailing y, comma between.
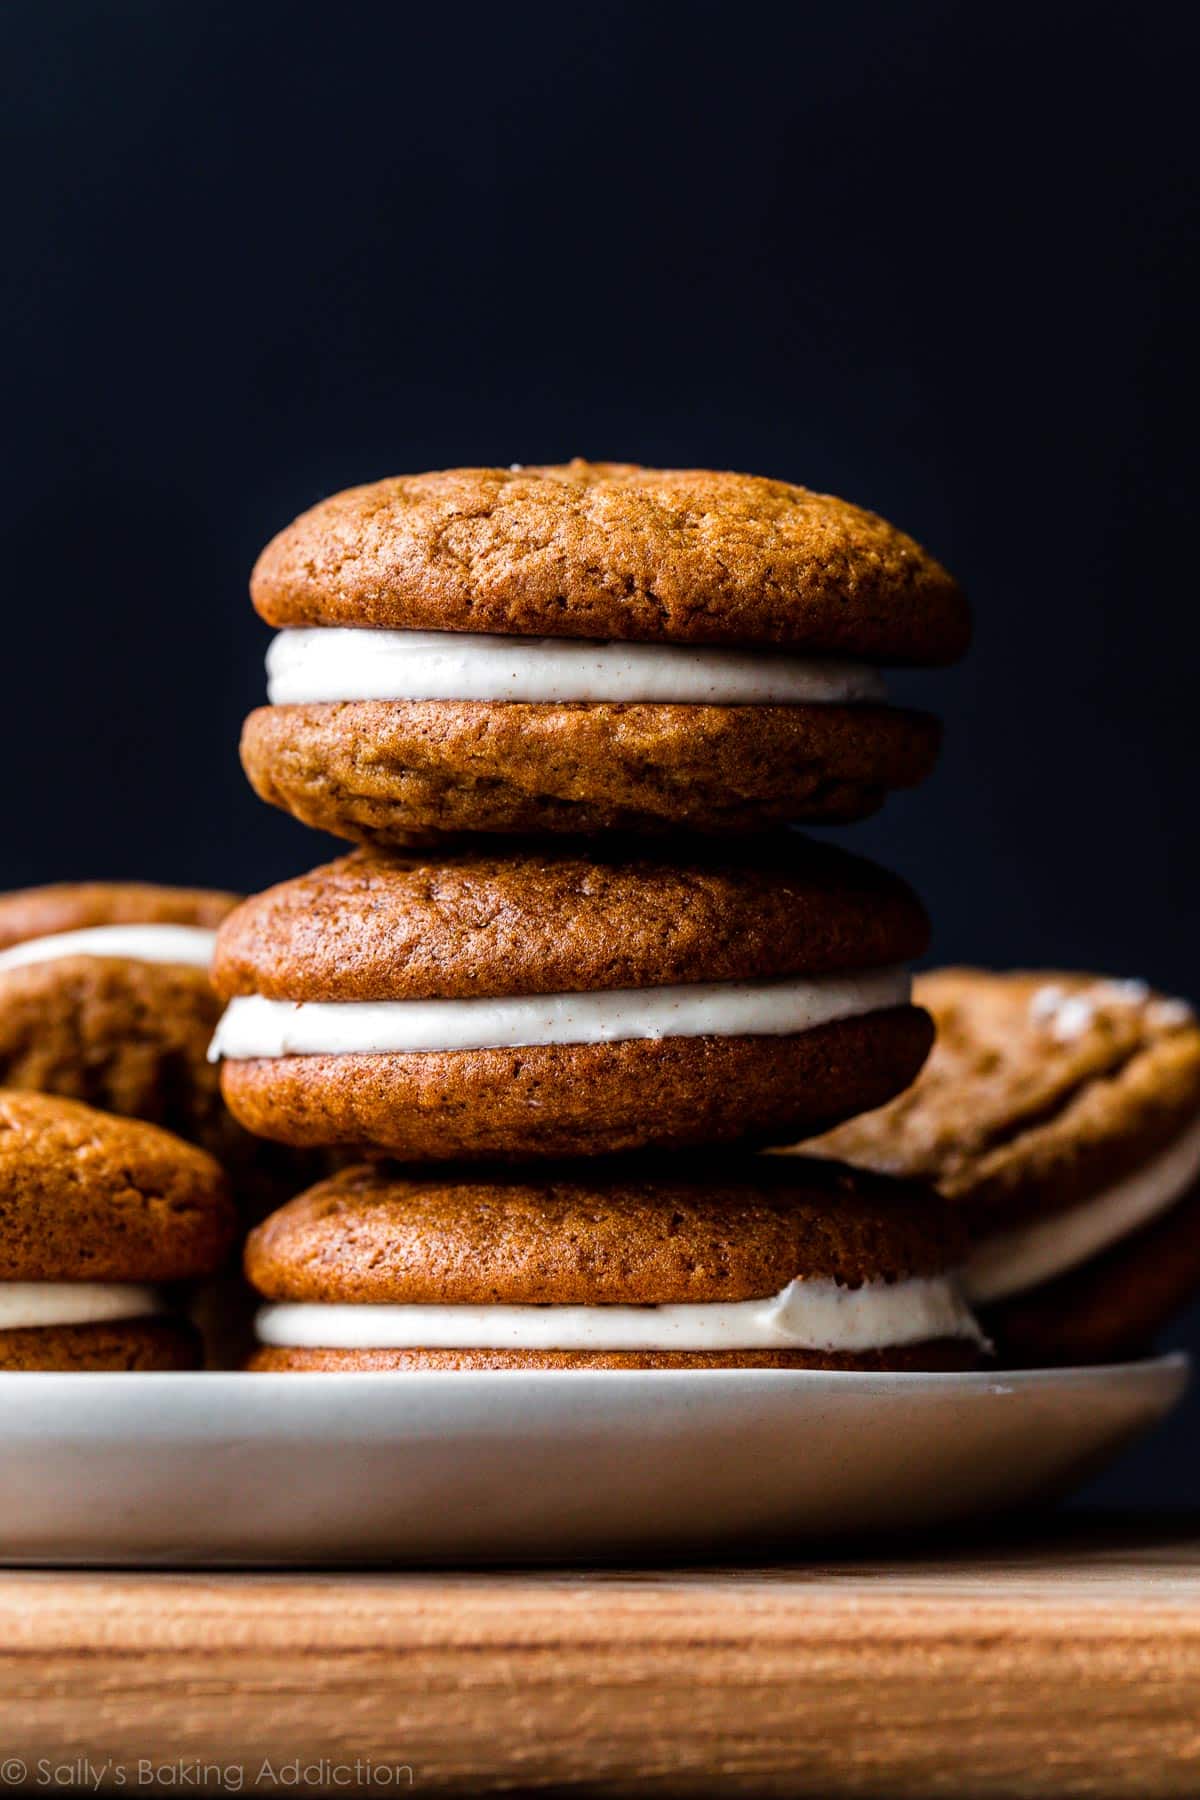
x: 1065, y: 1668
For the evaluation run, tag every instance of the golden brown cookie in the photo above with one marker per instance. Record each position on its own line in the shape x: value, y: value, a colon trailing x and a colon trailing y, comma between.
x: 86, y: 1196
x: 548, y: 1004
x: 583, y: 1253
x: 701, y: 566
x: 121, y: 1020
x: 1061, y: 1112
x: 938, y: 1353
x: 124, y: 1346
x: 610, y: 550
x: 582, y: 1099
x: 542, y: 919
x: 394, y: 772
x: 636, y: 1233
x: 95, y: 1212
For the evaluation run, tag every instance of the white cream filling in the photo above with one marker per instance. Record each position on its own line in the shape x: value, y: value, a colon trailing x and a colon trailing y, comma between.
x: 1012, y: 1261
x: 255, y: 1027
x: 330, y: 663
x: 189, y: 944
x: 807, y: 1315
x: 25, y: 1304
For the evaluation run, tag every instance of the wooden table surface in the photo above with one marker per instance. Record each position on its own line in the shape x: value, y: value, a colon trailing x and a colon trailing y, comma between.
x: 1068, y: 1665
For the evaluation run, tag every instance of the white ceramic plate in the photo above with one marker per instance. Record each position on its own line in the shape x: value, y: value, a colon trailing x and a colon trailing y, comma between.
x: 454, y: 1467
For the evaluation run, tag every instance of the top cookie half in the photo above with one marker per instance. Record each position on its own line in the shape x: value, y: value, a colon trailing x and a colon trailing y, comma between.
x: 613, y: 551
x: 595, y: 647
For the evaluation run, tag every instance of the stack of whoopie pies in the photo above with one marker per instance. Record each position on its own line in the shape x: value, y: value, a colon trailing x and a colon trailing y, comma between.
x: 568, y: 714
x: 579, y: 970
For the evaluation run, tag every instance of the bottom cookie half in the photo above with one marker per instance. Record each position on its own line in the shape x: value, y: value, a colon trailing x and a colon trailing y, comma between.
x: 1110, y: 1308
x: 584, y: 1099
x: 397, y: 772
x: 125, y: 1344
x: 941, y: 1353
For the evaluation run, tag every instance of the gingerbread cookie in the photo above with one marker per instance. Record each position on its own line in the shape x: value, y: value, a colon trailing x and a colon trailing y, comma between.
x: 591, y: 647
x: 96, y: 1214
x: 545, y: 1003
x: 658, y: 1263
x: 105, y: 997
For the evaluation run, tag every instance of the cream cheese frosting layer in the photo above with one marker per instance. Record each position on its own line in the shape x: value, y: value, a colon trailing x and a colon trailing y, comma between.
x: 256, y: 1027
x: 190, y: 944
x: 334, y: 663
x: 1012, y: 1261
x: 807, y: 1315
x: 34, y: 1304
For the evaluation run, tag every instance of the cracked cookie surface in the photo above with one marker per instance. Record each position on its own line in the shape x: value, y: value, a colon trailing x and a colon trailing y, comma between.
x: 644, y: 1233
x: 611, y: 550
x: 395, y: 772
x: 85, y: 1196
x: 545, y: 919
x: 1042, y: 1089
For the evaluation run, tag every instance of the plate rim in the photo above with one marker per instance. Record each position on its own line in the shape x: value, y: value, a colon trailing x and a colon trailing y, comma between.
x: 407, y: 1438
x: 1171, y: 1368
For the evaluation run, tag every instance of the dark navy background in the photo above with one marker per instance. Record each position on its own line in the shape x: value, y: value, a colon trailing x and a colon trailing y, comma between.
x: 939, y: 258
